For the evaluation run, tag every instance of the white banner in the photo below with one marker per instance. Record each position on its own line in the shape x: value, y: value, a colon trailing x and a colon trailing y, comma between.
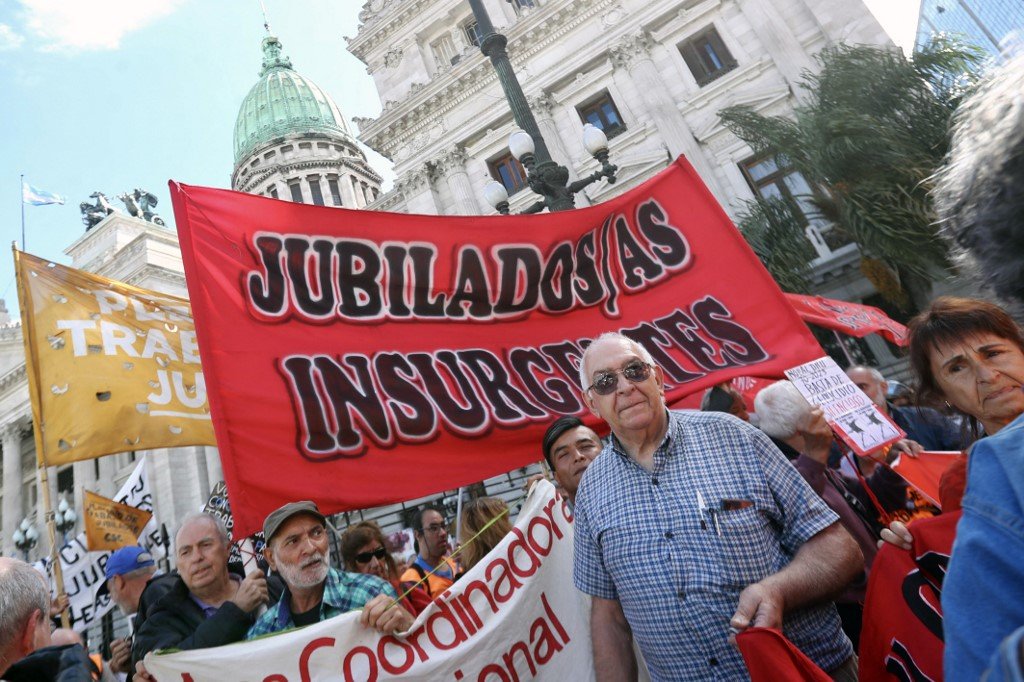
x: 514, y: 616
x: 83, y: 570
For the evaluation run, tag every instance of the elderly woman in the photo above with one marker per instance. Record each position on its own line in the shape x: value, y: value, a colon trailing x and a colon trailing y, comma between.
x: 364, y: 551
x: 970, y: 353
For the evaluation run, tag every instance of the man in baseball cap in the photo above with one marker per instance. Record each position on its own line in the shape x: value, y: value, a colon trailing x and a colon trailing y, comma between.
x: 297, y: 548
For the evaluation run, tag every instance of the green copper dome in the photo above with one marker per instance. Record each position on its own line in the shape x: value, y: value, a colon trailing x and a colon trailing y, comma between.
x: 281, y: 103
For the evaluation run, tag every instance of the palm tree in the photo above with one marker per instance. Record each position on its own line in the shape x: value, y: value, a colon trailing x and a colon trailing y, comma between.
x: 870, y: 132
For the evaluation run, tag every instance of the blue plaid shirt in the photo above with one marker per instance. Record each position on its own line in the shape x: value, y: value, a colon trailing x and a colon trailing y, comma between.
x: 642, y: 539
x: 343, y: 592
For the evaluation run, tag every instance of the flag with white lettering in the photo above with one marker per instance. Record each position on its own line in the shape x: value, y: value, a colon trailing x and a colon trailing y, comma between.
x: 359, y: 358
x: 111, y: 367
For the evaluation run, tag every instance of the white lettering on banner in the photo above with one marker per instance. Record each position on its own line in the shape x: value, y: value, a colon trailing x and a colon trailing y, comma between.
x: 515, y: 616
x: 84, y: 570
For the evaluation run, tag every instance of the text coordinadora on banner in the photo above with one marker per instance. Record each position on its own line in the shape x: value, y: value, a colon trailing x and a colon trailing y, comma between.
x: 511, y: 617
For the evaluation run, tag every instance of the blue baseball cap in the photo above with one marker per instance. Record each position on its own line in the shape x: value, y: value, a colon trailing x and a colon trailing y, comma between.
x: 125, y: 560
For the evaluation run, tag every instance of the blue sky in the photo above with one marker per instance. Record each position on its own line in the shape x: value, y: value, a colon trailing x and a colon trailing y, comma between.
x: 110, y: 95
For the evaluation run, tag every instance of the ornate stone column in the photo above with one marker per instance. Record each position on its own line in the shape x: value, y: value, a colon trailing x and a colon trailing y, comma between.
x: 417, y: 188
x: 12, y: 475
x: 543, y: 106
x: 452, y: 166
x: 632, y: 56
x: 778, y: 41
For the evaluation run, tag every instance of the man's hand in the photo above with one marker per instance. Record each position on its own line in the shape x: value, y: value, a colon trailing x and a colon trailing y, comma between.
x: 58, y: 604
x: 817, y: 436
x: 385, y: 616
x: 252, y: 592
x: 760, y: 606
x: 531, y: 480
x: 141, y: 675
x: 120, y: 656
x: 897, y: 534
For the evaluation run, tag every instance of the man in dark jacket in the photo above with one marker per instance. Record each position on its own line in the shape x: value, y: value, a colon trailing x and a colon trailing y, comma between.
x: 206, y: 606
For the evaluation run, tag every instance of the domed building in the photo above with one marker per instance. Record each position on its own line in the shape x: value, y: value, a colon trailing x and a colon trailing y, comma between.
x: 291, y: 141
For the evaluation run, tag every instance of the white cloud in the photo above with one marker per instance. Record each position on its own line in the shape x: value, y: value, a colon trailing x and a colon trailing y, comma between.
x: 96, y: 25
x: 9, y: 39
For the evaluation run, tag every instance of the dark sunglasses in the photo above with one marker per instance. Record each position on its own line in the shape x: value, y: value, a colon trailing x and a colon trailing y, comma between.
x: 378, y: 554
x: 605, y: 383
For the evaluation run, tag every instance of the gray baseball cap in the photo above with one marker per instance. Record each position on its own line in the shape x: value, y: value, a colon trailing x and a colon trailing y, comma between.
x: 282, y: 514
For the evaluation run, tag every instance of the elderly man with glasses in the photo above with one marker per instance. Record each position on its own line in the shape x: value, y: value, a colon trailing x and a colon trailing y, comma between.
x: 432, y: 562
x: 692, y: 525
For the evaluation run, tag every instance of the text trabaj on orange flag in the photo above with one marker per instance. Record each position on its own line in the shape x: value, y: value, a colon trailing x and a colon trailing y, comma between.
x: 111, y: 367
x: 110, y: 525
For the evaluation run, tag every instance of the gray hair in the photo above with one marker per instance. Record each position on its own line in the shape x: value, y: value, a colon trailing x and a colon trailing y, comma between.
x: 217, y: 521
x: 644, y: 354
x: 781, y: 408
x: 875, y: 374
x: 22, y: 591
x: 978, y: 195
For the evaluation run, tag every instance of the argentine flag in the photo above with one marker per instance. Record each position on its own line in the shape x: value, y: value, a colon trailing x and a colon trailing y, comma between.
x: 38, y: 197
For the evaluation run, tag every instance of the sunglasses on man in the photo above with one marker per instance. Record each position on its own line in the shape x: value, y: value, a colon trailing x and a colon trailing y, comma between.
x: 378, y: 554
x: 605, y: 383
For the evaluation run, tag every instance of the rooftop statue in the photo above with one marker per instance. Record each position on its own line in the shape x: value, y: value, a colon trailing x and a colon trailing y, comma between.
x: 140, y: 204
x: 92, y: 214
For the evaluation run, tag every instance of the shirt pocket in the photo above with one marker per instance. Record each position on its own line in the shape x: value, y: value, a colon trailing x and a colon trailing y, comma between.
x: 746, y: 548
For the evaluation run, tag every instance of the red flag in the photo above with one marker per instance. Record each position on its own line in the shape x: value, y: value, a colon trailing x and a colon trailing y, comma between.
x: 902, y: 634
x: 925, y: 471
x: 850, y: 318
x: 360, y: 358
x: 770, y: 656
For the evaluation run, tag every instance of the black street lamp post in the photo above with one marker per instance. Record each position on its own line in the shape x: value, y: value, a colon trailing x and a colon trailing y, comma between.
x: 544, y: 176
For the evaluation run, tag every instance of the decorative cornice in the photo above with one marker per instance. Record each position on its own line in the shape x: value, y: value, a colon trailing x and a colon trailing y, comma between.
x: 13, y: 376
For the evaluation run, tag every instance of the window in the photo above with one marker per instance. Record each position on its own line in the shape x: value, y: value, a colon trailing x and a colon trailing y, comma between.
x: 472, y: 32
x: 296, y: 192
x: 601, y: 112
x: 314, y: 190
x: 509, y: 172
x: 706, y: 56
x: 520, y: 5
x: 770, y: 181
x: 66, y: 481
x: 444, y: 50
x: 332, y: 184
x: 272, y: 191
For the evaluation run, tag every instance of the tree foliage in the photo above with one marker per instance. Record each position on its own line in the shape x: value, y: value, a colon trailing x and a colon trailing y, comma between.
x: 871, y: 129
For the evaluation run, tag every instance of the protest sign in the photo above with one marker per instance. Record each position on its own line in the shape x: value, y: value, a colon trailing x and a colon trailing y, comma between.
x: 246, y: 553
x: 849, y: 412
x: 360, y: 358
x: 111, y: 367
x: 110, y: 525
x: 83, y: 570
x: 853, y: 319
x: 513, y: 616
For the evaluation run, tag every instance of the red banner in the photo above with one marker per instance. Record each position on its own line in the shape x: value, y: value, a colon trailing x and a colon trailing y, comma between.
x: 924, y: 472
x: 850, y: 318
x: 360, y: 358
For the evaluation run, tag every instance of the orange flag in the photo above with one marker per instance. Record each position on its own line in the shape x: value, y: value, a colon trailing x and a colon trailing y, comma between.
x: 110, y: 525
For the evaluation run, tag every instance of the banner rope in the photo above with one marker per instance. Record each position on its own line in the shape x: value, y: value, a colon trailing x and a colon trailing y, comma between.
x: 454, y: 554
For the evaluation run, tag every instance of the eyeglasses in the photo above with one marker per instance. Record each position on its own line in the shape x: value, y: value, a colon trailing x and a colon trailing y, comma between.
x: 605, y: 383
x: 434, y: 528
x: 378, y: 554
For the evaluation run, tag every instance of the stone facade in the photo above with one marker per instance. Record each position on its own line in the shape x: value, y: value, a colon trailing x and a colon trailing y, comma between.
x: 667, y: 67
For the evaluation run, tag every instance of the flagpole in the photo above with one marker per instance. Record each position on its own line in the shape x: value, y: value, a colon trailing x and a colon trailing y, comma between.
x: 21, y: 190
x: 51, y: 527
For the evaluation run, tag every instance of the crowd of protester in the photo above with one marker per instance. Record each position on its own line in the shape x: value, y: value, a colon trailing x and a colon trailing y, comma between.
x: 690, y: 526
